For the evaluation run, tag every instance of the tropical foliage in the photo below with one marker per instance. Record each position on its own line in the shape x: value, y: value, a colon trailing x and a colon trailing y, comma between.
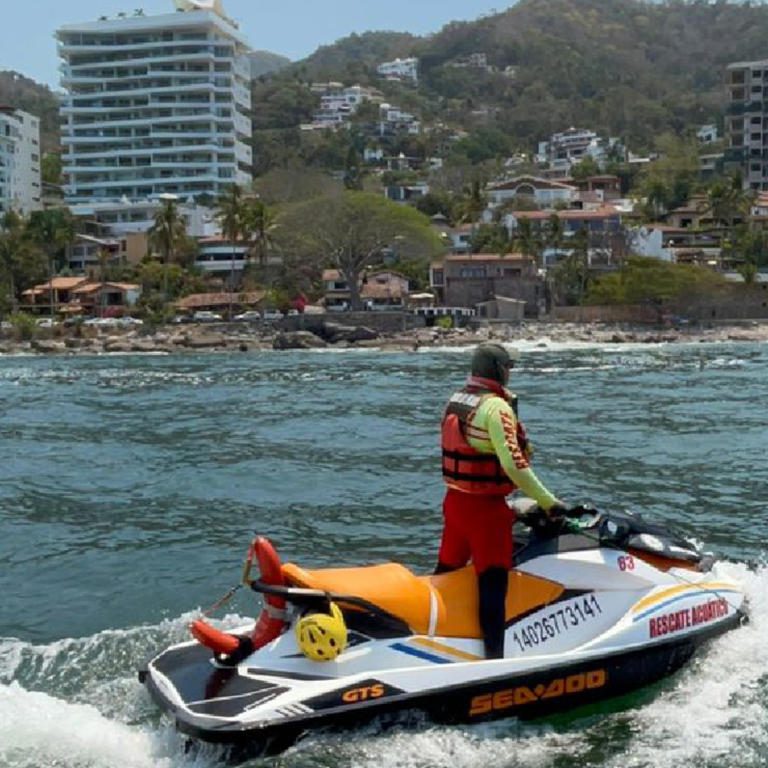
x: 644, y: 281
x: 352, y: 232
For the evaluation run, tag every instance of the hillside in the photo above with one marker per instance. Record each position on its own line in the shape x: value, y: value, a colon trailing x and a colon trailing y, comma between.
x: 22, y: 93
x: 356, y: 56
x: 625, y: 67
x: 265, y: 62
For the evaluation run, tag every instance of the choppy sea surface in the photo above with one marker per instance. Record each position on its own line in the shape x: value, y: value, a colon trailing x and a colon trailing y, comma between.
x: 130, y: 487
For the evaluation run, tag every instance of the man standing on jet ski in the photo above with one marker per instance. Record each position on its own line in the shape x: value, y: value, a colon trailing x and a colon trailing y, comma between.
x: 485, y: 458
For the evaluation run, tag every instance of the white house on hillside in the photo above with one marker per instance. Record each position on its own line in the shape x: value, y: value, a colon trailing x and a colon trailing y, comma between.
x: 543, y: 192
x: 400, y: 69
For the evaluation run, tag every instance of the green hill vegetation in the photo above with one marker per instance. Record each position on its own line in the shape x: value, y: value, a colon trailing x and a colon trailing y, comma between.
x: 22, y: 93
x: 264, y: 62
x: 356, y: 56
x: 625, y: 68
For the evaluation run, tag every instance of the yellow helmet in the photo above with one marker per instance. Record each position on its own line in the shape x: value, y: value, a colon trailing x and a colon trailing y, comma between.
x: 322, y: 636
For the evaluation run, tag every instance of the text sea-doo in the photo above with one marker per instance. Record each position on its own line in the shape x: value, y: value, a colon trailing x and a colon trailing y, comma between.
x: 599, y: 606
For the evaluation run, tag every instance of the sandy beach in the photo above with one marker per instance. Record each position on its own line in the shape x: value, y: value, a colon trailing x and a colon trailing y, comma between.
x: 228, y: 337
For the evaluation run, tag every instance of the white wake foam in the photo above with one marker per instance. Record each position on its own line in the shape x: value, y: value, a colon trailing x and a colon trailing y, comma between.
x: 37, y: 729
x: 716, y: 711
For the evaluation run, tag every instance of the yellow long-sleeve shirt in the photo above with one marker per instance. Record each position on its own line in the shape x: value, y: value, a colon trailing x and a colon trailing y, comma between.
x: 493, y: 429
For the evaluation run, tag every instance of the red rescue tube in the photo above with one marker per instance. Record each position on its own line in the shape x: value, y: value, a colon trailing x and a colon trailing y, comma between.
x: 271, y: 621
x: 210, y: 637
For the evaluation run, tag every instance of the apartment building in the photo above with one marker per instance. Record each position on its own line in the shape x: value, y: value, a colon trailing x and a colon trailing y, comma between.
x: 121, y: 228
x: 400, y: 69
x: 338, y: 104
x: 568, y: 148
x: 155, y: 105
x: 746, y: 122
x: 20, y: 188
x: 393, y: 120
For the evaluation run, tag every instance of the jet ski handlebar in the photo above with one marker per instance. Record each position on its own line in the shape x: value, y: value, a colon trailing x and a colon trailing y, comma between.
x: 549, y: 525
x: 305, y: 598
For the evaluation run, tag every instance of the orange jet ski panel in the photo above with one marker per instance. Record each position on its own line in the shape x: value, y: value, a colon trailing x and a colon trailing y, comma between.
x: 458, y: 611
x: 443, y: 606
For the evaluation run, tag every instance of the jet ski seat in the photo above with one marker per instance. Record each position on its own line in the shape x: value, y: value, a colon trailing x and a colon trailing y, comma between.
x: 445, y: 605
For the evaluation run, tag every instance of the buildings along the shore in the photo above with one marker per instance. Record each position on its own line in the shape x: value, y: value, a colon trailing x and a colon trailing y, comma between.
x: 20, y: 188
x: 155, y: 105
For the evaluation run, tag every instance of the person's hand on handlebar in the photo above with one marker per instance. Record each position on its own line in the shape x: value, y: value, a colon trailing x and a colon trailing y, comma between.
x: 557, y: 510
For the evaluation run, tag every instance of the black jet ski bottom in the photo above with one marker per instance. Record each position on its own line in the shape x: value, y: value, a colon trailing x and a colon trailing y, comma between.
x: 211, y: 692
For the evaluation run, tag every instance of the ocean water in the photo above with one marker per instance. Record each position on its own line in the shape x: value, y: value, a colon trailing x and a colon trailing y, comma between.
x: 130, y: 487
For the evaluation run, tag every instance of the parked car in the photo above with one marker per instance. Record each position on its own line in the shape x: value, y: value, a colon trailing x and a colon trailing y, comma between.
x: 206, y: 316
x: 250, y: 315
x: 128, y: 321
x: 45, y: 322
x: 105, y: 322
x: 273, y: 314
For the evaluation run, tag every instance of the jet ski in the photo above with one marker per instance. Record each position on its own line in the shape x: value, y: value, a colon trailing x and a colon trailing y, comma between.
x: 599, y: 604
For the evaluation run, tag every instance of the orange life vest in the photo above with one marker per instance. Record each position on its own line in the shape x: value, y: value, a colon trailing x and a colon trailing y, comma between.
x: 465, y: 468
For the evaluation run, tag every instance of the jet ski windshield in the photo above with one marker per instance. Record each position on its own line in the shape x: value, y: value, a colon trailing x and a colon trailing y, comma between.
x: 584, y: 527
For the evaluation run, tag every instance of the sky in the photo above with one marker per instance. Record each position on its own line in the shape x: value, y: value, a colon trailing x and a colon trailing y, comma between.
x: 292, y: 28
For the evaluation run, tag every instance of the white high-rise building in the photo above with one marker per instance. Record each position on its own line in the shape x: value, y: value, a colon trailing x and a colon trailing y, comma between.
x: 19, y: 161
x: 155, y: 105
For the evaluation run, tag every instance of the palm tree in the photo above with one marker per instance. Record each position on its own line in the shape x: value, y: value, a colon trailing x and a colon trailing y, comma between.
x: 11, y: 232
x: 231, y: 213
x: 728, y: 201
x: 52, y: 230
x: 657, y: 199
x: 527, y: 239
x: 167, y: 234
x: 553, y: 234
x: 259, y: 224
x: 104, y: 257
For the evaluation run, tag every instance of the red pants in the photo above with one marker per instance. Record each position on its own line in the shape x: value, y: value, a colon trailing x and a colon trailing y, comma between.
x: 478, y: 528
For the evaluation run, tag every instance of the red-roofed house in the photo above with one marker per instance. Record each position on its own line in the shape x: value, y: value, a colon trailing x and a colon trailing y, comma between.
x: 50, y: 296
x: 543, y: 192
x: 380, y: 290
x: 103, y: 299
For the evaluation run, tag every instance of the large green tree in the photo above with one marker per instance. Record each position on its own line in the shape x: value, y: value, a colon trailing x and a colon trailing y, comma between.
x: 669, y: 181
x: 21, y: 262
x: 353, y: 231
x: 650, y: 281
x: 53, y: 231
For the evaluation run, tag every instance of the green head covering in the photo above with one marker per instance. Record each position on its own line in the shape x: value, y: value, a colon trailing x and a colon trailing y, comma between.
x: 491, y: 361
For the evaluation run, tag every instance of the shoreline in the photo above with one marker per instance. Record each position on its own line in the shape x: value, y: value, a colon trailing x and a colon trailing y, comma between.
x: 227, y: 337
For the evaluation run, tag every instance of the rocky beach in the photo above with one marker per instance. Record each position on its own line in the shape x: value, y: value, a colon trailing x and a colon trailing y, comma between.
x: 242, y: 337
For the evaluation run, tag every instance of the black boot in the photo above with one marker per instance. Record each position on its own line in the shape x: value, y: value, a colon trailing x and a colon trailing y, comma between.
x: 492, y: 587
